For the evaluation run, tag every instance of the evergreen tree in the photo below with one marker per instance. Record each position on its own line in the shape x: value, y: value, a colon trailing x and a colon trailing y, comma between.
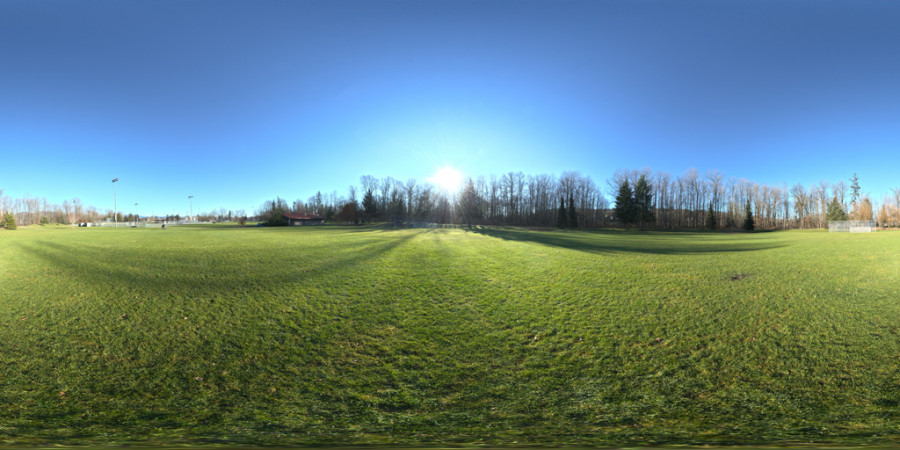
x: 625, y: 208
x: 370, y: 207
x: 562, y: 219
x: 835, y: 211
x: 9, y: 221
x: 748, y: 218
x: 45, y: 220
x: 711, y: 222
x: 573, y: 218
x: 643, y: 201
x: 470, y: 203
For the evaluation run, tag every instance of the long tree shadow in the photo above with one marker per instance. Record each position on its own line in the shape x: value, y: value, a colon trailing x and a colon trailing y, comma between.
x: 114, y: 279
x: 605, y: 241
x: 204, y: 272
x: 230, y: 227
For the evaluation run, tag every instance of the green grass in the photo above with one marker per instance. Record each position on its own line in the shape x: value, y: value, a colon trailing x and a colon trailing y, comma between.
x: 332, y: 335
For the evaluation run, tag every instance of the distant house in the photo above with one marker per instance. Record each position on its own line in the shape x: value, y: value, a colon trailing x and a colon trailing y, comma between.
x: 295, y: 219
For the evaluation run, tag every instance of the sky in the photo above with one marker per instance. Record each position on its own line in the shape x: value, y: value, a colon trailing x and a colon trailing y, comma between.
x: 236, y: 102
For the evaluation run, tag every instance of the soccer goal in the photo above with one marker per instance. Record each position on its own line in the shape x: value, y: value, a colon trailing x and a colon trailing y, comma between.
x: 851, y: 226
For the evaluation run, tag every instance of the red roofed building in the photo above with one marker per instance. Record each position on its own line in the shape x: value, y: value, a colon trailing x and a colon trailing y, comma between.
x: 303, y: 219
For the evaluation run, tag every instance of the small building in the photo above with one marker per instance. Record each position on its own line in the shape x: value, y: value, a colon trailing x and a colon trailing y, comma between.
x: 295, y: 219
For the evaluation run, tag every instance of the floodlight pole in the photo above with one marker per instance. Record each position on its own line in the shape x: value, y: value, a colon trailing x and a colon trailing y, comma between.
x: 191, y: 198
x: 115, y: 207
x: 137, y: 219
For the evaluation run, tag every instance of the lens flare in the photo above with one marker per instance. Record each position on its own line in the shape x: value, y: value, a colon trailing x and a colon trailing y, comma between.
x: 447, y: 178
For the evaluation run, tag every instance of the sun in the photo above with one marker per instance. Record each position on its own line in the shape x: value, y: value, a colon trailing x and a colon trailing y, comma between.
x: 448, y: 179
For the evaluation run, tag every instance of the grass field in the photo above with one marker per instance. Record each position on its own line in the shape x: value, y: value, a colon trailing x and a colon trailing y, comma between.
x: 335, y: 335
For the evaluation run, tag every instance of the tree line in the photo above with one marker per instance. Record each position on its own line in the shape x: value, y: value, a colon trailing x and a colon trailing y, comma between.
x: 32, y: 210
x: 509, y: 199
x: 712, y: 201
x: 642, y: 198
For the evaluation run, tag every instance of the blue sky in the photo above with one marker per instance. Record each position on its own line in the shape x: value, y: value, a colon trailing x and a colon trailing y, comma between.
x: 237, y: 102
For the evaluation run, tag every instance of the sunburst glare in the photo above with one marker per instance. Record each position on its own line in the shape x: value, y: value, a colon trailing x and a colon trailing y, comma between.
x: 447, y: 178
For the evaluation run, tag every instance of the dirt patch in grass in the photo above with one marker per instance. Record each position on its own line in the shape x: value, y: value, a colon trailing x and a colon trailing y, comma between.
x: 739, y: 277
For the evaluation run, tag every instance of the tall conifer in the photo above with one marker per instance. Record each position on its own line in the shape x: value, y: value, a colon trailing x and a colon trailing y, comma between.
x: 836, y: 211
x: 748, y: 218
x: 9, y: 221
x: 643, y: 201
x: 370, y: 206
x: 470, y: 203
x: 625, y: 208
x: 562, y: 219
x: 711, y: 222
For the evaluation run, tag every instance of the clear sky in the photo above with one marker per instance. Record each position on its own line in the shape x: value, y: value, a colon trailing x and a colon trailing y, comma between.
x: 236, y: 102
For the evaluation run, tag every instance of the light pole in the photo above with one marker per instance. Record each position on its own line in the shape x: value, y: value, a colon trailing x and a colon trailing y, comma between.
x: 137, y: 218
x: 115, y: 207
x: 191, y: 198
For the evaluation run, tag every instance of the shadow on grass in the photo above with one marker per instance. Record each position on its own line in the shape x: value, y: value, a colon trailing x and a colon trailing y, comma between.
x: 208, y: 271
x: 381, y: 227
x: 606, y: 241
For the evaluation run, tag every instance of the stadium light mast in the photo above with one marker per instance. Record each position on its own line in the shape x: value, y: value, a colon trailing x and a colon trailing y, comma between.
x: 115, y: 206
x: 191, y: 198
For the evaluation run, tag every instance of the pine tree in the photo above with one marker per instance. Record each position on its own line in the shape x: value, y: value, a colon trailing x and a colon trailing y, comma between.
x: 835, y: 211
x: 643, y: 201
x: 370, y: 207
x: 711, y: 222
x: 748, y: 218
x: 625, y: 207
x: 562, y: 219
x: 470, y: 203
x: 573, y: 218
x: 9, y: 222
